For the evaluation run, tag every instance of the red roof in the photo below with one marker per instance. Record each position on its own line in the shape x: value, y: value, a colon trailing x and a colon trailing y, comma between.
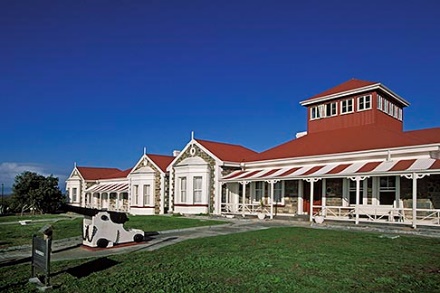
x: 352, y: 139
x: 227, y: 152
x: 349, y: 85
x: 161, y: 161
x: 92, y: 173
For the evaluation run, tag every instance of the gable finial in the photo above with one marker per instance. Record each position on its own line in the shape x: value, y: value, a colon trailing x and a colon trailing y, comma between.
x: 192, y: 135
x: 145, y: 151
x: 74, y: 164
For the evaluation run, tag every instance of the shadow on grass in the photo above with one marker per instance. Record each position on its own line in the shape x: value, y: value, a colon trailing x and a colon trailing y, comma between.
x: 91, y: 267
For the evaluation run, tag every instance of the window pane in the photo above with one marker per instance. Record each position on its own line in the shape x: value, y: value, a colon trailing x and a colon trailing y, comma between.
x: 147, y: 197
x: 197, y: 186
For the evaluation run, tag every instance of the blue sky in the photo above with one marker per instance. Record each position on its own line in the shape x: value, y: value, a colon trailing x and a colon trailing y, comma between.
x: 94, y: 82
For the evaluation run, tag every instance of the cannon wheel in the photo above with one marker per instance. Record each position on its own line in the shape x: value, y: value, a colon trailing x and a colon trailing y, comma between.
x: 102, y: 243
x: 138, y: 238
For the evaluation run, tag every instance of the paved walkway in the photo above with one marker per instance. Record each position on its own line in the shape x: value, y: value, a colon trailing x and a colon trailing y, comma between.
x: 71, y: 248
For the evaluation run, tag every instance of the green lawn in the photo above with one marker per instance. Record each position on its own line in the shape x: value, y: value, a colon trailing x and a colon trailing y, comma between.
x: 29, y: 217
x: 16, y: 234
x: 274, y: 260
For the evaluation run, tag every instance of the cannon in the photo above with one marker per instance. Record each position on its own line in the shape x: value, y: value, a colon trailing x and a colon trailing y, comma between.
x: 102, y: 228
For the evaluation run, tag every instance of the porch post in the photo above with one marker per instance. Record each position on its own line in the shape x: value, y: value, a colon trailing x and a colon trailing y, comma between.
x: 311, y: 181
x: 323, y: 194
x: 414, y: 200
x: 272, y: 182
x: 414, y: 177
x: 244, y: 183
x: 117, y: 200
x: 358, y: 180
x: 300, y: 197
x: 358, y: 192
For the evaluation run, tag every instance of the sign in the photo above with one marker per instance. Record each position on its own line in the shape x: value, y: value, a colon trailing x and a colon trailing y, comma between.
x: 41, y: 249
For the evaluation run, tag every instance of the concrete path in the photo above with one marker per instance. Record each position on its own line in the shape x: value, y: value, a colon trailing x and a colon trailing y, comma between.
x: 71, y: 248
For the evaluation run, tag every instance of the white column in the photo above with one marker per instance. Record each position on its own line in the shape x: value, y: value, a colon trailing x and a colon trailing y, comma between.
x: 358, y: 193
x: 244, y: 183
x: 414, y: 178
x: 272, y: 183
x: 358, y: 180
x: 414, y: 200
x: 324, y: 196
x: 300, y: 197
x: 312, y: 183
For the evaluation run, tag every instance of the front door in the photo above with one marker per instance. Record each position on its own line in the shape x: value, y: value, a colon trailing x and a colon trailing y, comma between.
x: 317, y: 196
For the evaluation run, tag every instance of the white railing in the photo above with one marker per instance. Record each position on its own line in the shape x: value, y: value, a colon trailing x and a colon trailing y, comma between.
x: 248, y: 208
x: 380, y: 214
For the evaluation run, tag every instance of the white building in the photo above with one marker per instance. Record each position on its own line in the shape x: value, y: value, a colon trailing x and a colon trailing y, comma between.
x: 354, y: 163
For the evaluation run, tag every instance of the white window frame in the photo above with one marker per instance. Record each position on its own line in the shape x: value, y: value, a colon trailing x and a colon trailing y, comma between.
x: 74, y: 194
x: 197, y: 190
x: 183, y: 188
x: 258, y: 193
x: 379, y: 102
x: 364, y: 100
x: 147, y: 194
x: 135, y: 195
x: 314, y: 113
x: 332, y: 109
x: 346, y: 104
x: 278, y: 187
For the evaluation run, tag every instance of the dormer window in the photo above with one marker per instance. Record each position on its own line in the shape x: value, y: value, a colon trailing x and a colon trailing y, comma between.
x: 364, y: 103
x: 347, y: 106
x: 322, y: 111
x: 331, y: 109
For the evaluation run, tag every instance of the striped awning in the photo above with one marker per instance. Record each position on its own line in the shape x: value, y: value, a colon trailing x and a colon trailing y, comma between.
x: 108, y: 187
x: 337, y: 170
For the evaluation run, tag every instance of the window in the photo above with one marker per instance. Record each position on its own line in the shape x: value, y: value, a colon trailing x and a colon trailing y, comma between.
x: 314, y: 113
x: 399, y: 115
x: 385, y: 106
x: 347, y: 106
x: 197, y: 189
x: 387, y: 191
x: 147, y: 195
x: 379, y: 102
x: 259, y: 190
x: 135, y: 194
x: 278, y: 192
x: 352, y: 191
x: 74, y: 194
x: 364, y: 103
x: 330, y: 110
x: 182, y: 189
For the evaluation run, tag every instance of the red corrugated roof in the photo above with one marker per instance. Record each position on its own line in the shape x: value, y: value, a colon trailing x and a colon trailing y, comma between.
x: 348, y: 140
x: 346, y: 86
x: 161, y: 161
x: 93, y: 173
x: 227, y: 152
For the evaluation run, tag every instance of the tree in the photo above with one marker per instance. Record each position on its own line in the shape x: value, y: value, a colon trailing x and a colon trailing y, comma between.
x: 34, y: 191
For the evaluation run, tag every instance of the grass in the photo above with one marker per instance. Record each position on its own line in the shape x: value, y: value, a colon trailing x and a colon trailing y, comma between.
x: 162, y: 223
x: 4, y: 219
x: 65, y: 227
x: 273, y: 260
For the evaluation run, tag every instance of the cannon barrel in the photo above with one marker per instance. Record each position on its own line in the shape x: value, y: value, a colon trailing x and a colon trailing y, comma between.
x: 116, y: 217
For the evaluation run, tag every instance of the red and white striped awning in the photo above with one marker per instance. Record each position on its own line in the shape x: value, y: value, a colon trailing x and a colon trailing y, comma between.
x: 337, y: 170
x: 108, y: 187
